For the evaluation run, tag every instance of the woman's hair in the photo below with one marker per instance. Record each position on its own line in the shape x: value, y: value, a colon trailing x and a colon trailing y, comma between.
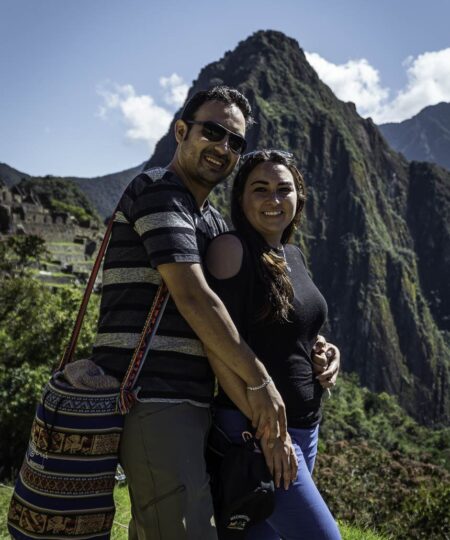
x: 271, y: 268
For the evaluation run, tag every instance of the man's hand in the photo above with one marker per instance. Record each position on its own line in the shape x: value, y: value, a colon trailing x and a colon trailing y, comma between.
x: 281, y: 460
x: 326, y: 362
x: 268, y: 413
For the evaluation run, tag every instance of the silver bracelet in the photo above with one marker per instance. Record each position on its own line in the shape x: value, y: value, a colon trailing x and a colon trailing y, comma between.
x: 261, y: 386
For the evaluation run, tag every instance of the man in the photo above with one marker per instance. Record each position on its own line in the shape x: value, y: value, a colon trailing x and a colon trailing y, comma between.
x: 161, y: 231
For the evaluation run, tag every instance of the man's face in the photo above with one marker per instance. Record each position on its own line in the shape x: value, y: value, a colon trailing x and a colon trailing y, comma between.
x: 203, y: 161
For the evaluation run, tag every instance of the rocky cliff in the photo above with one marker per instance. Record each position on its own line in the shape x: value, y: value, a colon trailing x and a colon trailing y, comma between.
x: 375, y: 230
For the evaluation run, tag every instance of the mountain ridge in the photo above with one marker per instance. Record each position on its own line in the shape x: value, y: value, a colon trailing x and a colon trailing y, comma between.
x: 424, y: 137
x: 103, y: 191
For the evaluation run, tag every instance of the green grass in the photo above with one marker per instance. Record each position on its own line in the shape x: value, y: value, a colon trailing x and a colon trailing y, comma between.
x: 350, y: 532
x: 5, y: 495
x: 65, y: 244
x: 119, y: 531
x: 122, y: 516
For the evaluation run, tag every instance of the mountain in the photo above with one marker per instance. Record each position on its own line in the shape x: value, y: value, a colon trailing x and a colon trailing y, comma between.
x: 11, y: 176
x: 102, y: 191
x: 424, y: 137
x: 376, y: 229
x: 105, y: 191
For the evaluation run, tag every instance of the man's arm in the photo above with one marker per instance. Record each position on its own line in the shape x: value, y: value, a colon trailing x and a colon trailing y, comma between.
x: 208, y: 317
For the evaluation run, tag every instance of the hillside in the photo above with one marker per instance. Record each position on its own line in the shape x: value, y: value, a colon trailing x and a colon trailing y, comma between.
x: 103, y: 192
x: 366, y: 245
x: 424, y: 137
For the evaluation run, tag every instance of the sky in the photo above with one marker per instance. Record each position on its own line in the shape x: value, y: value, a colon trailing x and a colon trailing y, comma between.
x: 87, y: 87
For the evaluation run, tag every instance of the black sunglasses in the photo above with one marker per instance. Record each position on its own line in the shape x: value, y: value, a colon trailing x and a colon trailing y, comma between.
x: 214, y: 132
x: 278, y: 153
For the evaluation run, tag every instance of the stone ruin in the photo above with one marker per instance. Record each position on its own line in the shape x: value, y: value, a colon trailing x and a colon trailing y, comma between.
x: 22, y: 212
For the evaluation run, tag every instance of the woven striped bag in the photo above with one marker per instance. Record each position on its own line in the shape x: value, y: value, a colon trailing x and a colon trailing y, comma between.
x: 65, y: 486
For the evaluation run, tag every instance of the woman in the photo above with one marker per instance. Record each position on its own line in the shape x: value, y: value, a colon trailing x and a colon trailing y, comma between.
x: 277, y: 308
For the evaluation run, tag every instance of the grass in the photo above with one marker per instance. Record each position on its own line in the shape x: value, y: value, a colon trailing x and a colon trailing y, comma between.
x: 119, y: 531
x: 350, y: 532
x: 5, y: 494
x: 122, y: 517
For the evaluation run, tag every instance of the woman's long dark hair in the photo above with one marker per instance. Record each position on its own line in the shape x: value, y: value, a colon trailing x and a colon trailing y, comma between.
x: 271, y: 267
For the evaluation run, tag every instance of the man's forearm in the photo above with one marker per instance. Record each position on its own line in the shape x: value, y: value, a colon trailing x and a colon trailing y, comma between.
x: 210, y: 320
x: 232, y: 384
x: 208, y: 317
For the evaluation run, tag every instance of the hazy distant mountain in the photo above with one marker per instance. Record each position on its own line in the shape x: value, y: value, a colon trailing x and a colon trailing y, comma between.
x: 103, y: 191
x: 424, y: 137
x: 376, y: 229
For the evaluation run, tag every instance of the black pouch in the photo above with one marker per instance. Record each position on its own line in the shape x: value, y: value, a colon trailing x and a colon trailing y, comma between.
x: 242, y: 486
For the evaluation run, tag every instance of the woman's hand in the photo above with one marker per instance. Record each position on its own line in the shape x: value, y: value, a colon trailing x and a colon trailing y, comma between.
x: 281, y: 460
x: 326, y: 362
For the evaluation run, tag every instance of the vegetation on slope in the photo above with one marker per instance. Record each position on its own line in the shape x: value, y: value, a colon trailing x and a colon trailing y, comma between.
x: 61, y: 195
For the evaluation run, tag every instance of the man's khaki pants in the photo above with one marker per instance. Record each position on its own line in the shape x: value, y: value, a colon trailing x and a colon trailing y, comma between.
x: 162, y: 453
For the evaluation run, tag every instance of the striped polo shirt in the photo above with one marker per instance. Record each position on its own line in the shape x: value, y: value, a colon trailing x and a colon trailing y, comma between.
x: 158, y: 221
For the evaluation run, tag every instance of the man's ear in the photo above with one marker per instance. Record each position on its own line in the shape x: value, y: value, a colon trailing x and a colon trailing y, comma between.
x: 181, y: 129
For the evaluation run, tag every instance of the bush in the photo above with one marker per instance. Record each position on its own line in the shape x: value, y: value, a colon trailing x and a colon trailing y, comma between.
x: 384, y: 490
x: 35, y: 327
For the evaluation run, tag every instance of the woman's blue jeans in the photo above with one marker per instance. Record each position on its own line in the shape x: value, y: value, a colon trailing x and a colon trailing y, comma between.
x: 300, y: 512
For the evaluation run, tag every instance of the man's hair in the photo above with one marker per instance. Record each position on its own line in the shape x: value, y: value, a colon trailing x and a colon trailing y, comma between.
x: 224, y: 94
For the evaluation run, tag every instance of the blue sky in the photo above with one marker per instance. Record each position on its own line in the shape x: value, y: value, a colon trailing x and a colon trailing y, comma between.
x: 81, y: 90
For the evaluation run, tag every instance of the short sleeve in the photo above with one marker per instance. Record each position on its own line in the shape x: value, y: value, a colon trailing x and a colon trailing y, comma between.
x: 162, y: 214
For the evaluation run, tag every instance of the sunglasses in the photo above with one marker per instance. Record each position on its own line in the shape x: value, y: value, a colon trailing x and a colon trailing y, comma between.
x: 214, y: 132
x: 276, y: 153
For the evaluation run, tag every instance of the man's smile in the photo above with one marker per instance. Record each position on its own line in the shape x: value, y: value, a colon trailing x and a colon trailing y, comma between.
x: 214, y: 161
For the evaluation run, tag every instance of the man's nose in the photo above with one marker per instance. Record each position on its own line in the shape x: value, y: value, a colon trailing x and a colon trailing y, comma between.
x: 223, y: 146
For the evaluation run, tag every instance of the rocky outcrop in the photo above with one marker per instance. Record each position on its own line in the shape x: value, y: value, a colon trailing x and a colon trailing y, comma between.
x: 373, y: 227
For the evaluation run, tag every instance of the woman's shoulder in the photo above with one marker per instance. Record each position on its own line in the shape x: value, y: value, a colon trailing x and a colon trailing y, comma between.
x: 224, y: 256
x: 294, y: 250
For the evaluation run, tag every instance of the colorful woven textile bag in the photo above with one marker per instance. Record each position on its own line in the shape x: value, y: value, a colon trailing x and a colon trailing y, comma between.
x: 65, y: 486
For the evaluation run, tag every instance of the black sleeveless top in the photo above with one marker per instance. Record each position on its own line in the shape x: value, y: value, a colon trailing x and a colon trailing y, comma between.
x: 283, y: 347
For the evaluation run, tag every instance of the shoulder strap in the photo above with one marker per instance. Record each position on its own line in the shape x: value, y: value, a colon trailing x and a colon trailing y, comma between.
x: 127, y: 396
x: 70, y: 349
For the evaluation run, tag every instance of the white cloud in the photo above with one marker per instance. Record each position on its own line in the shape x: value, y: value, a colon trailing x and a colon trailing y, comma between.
x: 175, y: 89
x: 428, y: 83
x: 144, y: 119
x: 355, y: 81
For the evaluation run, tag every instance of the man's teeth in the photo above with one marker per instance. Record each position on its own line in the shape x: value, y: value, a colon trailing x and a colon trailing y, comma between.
x: 272, y: 213
x: 213, y: 161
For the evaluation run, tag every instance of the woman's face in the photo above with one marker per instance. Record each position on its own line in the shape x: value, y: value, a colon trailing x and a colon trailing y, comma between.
x: 269, y: 200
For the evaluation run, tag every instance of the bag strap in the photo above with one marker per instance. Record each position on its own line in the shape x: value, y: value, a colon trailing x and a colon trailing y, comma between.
x: 127, y: 395
x: 70, y: 349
